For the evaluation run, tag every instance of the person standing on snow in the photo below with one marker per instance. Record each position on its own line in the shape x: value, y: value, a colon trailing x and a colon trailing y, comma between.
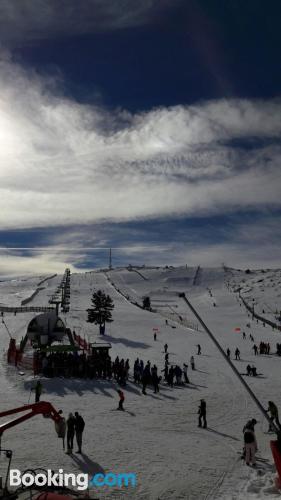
x: 250, y: 443
x: 228, y: 352
x: 198, y: 349
x: 237, y: 353
x: 192, y: 362
x: 186, y: 379
x: 121, y: 400
x: 202, y: 410
x: 155, y: 379
x: 165, y: 348
x: 60, y: 426
x: 79, y: 428
x: 70, y: 424
x: 146, y: 377
x: 38, y: 391
x: 255, y: 347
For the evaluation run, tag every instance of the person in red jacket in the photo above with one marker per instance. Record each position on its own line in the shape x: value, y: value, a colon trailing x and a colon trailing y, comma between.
x: 121, y: 400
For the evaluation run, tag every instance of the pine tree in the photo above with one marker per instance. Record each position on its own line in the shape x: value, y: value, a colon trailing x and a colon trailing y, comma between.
x: 100, y: 313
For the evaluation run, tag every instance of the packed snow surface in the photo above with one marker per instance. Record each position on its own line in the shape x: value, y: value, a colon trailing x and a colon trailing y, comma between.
x: 157, y: 438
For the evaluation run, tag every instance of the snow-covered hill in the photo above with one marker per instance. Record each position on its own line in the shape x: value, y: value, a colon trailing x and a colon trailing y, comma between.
x: 158, y: 439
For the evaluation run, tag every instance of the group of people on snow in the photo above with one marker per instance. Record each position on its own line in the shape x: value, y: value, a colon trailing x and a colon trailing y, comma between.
x: 83, y: 366
x: 73, y: 426
x: 250, y: 441
x: 263, y: 348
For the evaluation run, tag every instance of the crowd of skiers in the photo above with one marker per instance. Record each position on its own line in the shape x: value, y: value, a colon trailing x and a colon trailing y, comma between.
x: 81, y: 365
x: 146, y: 374
x: 263, y: 348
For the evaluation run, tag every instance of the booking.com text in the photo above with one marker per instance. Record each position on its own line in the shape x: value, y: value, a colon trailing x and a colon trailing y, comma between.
x: 81, y: 481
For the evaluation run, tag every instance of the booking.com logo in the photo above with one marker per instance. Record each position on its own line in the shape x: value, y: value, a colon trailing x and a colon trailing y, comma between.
x: 80, y: 481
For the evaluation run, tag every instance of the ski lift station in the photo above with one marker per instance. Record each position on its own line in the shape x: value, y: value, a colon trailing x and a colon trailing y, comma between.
x: 45, y: 329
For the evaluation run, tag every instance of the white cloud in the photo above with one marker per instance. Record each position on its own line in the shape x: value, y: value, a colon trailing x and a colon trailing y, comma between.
x: 44, y: 263
x: 64, y: 163
x: 25, y: 20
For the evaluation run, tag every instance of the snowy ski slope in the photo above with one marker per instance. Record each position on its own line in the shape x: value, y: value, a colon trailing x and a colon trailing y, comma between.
x: 158, y: 438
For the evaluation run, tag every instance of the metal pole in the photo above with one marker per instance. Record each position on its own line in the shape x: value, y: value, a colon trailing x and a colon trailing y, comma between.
x: 248, y: 389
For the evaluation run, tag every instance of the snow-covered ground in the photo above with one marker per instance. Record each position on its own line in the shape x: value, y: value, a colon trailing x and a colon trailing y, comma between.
x: 158, y: 438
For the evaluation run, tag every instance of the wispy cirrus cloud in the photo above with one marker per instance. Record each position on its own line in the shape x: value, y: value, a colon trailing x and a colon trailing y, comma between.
x: 64, y: 163
x: 28, y: 21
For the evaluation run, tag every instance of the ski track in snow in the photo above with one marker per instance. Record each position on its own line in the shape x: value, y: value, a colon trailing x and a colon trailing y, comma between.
x: 157, y: 438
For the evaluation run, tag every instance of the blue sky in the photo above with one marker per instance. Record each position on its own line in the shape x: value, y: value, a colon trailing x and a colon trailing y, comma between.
x: 150, y: 127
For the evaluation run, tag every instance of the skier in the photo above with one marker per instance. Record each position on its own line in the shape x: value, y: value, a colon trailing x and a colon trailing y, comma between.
x: 178, y: 374
x: 192, y: 363
x: 137, y: 371
x: 171, y: 375
x: 244, y: 335
x: 228, y: 353
x: 273, y: 410
x: 155, y: 379
x: 166, y: 371
x: 70, y: 423
x: 79, y: 428
x: 202, y: 414
x: 250, y: 444
x: 38, y: 391
x: 121, y: 400
x: 165, y: 348
x: 255, y: 347
x: 155, y: 336
x: 186, y: 379
x: 127, y: 368
x: 237, y: 353
x: 198, y: 349
x: 145, y: 377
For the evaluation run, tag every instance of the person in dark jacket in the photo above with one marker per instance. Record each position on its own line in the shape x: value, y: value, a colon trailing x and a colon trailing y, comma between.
x: 250, y: 444
x: 237, y: 354
x: 273, y: 412
x: 145, y: 378
x: 121, y: 400
x: 79, y: 428
x: 70, y: 424
x: 155, y: 379
x: 202, y: 410
x: 38, y: 391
